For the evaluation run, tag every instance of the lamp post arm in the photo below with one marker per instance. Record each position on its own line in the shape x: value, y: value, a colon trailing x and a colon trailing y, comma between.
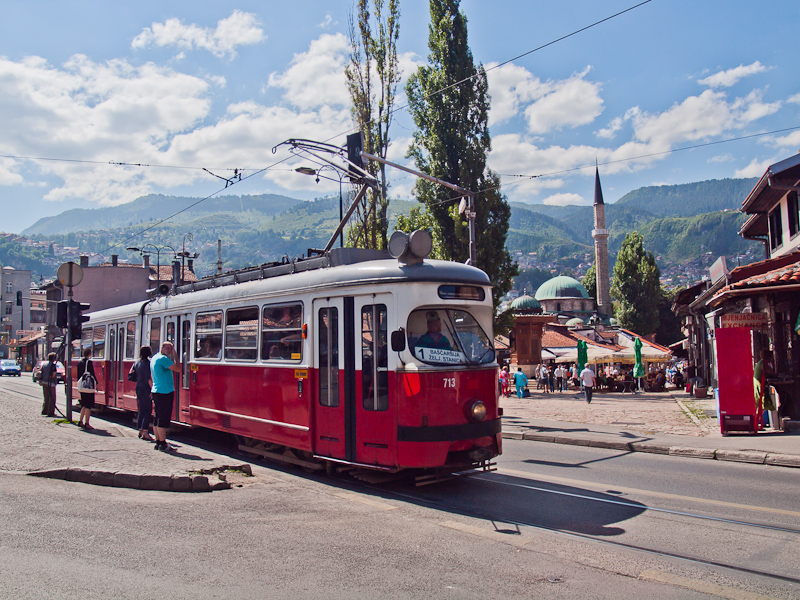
x: 350, y: 211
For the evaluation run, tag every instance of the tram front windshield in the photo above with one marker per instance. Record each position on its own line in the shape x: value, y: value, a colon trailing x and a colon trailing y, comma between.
x: 448, y: 336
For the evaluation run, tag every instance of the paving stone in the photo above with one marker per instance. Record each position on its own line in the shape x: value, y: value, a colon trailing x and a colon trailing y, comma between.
x: 200, y: 483
x: 181, y: 483
x: 155, y: 482
x: 783, y: 460
x: 127, y: 480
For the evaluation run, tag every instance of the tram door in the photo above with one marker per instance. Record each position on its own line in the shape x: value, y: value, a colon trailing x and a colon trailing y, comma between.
x: 375, y: 411
x: 329, y: 384
x: 176, y: 328
x: 353, y: 419
x: 116, y: 356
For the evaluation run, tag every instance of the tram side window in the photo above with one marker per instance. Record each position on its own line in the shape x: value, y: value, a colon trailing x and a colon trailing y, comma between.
x: 328, y: 356
x: 374, y: 358
x: 130, y: 340
x: 241, y: 333
x: 155, y: 335
x: 282, y: 332
x: 86, y: 343
x: 99, y: 342
x: 170, y: 337
x: 208, y: 335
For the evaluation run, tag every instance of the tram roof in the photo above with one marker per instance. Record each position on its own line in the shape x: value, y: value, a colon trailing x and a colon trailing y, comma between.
x: 346, y: 278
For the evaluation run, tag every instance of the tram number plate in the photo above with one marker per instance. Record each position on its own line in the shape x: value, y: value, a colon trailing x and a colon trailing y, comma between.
x: 301, y: 373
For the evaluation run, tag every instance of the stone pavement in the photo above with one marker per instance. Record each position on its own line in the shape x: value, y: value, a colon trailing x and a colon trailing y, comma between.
x: 113, y: 455
x: 671, y: 422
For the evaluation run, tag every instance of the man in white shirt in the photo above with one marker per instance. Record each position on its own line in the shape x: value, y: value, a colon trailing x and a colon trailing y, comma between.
x: 587, y: 378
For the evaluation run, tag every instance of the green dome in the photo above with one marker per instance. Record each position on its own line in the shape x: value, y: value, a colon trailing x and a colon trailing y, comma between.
x: 561, y: 287
x: 525, y: 303
x: 575, y: 322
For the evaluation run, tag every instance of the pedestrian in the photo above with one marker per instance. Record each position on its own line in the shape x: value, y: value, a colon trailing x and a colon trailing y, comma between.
x: 587, y: 378
x: 87, y: 397
x: 551, y: 379
x: 543, y: 376
x: 144, y: 401
x: 504, y: 377
x: 574, y: 374
x: 49, y: 381
x: 559, y: 378
x: 162, y: 365
x: 521, y: 382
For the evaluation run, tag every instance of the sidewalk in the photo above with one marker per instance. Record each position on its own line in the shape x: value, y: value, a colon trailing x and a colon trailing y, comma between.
x: 671, y: 422
x: 111, y: 454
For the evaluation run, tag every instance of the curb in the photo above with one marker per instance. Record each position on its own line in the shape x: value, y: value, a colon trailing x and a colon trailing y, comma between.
x: 751, y: 457
x: 138, y: 481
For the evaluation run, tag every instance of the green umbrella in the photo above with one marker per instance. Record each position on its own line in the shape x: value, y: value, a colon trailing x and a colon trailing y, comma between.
x: 638, y: 368
x: 583, y: 355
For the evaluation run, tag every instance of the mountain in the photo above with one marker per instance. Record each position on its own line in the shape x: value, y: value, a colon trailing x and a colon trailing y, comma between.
x: 155, y: 207
x: 678, y: 223
x: 689, y: 199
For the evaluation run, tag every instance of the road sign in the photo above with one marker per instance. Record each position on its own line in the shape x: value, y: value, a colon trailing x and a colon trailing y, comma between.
x: 69, y: 274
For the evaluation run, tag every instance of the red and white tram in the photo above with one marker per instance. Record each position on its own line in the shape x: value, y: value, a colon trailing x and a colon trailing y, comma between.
x: 335, y: 358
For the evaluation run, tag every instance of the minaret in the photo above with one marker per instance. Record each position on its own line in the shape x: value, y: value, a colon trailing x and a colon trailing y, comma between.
x: 600, y: 235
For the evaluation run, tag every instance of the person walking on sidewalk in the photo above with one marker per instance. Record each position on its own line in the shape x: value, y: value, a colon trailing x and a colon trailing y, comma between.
x: 87, y: 398
x: 521, y: 381
x: 587, y: 378
x: 504, y: 377
x: 560, y: 378
x: 162, y: 366
x: 144, y: 401
x: 543, y: 376
x: 49, y: 381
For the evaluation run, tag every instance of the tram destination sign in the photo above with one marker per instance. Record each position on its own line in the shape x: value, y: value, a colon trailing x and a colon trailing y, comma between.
x: 753, y: 320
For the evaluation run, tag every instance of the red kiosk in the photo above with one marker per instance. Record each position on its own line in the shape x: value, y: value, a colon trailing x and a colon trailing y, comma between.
x: 737, y: 406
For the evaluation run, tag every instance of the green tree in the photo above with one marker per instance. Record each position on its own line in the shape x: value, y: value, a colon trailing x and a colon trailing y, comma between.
x: 449, y: 102
x: 670, y: 328
x: 420, y: 218
x: 589, y: 281
x: 374, y: 56
x: 636, y: 287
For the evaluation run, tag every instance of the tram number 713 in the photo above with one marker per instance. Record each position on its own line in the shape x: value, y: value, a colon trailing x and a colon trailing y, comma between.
x: 449, y: 382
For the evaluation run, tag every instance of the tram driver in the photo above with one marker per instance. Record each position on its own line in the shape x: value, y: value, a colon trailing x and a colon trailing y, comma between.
x: 434, y: 338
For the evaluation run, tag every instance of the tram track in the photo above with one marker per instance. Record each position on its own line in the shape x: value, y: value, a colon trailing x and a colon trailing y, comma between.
x: 495, y: 517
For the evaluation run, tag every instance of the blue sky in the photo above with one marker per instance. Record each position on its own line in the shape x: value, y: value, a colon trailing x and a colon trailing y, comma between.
x: 217, y: 85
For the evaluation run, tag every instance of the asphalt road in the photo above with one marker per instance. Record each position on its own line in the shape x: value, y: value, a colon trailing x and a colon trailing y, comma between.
x: 554, y: 521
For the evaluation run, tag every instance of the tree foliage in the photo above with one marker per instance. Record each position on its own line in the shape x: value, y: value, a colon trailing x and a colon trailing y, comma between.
x: 419, y: 218
x: 372, y: 75
x: 449, y: 102
x: 635, y: 286
x: 589, y: 281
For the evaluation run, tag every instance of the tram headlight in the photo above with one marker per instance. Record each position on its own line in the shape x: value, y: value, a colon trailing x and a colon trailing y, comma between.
x: 477, y: 412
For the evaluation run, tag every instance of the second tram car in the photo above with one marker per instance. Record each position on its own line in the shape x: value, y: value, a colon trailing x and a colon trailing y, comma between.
x: 341, y: 358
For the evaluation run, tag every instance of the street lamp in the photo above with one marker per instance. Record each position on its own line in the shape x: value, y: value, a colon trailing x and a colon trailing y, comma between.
x: 184, y: 255
x: 341, y: 174
x: 158, y: 249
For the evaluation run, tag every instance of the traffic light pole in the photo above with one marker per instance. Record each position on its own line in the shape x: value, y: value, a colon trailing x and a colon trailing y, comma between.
x: 68, y: 357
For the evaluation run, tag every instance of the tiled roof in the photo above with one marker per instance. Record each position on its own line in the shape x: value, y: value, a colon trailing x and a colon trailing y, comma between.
x: 781, y: 276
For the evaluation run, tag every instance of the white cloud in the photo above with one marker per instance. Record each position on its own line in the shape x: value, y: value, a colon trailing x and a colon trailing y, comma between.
x: 571, y: 103
x: 328, y: 22
x: 733, y: 76
x: 756, y: 168
x: 791, y: 141
x: 721, y: 158
x: 610, y: 132
x: 240, y: 29
x: 510, y: 86
x: 565, y: 200
x: 794, y: 99
x: 316, y: 78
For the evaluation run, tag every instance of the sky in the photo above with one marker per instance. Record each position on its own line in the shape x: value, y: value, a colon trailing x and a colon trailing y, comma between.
x: 182, y: 93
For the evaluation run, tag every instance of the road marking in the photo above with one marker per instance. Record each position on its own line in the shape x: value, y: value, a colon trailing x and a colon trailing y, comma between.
x: 364, y: 500
x: 514, y: 539
x: 701, y: 586
x: 605, y: 487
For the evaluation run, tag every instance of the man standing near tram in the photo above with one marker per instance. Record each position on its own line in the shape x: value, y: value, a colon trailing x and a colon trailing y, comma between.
x: 162, y: 365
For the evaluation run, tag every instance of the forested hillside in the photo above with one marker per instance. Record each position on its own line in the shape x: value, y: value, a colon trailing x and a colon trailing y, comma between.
x: 691, y: 198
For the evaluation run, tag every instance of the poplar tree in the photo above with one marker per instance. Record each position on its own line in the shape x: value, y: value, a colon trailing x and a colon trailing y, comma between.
x: 636, y: 286
x: 372, y: 75
x: 449, y: 102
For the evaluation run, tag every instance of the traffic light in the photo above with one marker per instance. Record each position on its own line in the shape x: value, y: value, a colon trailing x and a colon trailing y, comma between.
x: 61, y: 314
x: 19, y: 297
x: 76, y: 318
x: 355, y: 145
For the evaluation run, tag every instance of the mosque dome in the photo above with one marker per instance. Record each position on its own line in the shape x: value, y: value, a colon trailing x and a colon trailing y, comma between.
x: 575, y: 322
x: 526, y: 303
x: 561, y: 287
